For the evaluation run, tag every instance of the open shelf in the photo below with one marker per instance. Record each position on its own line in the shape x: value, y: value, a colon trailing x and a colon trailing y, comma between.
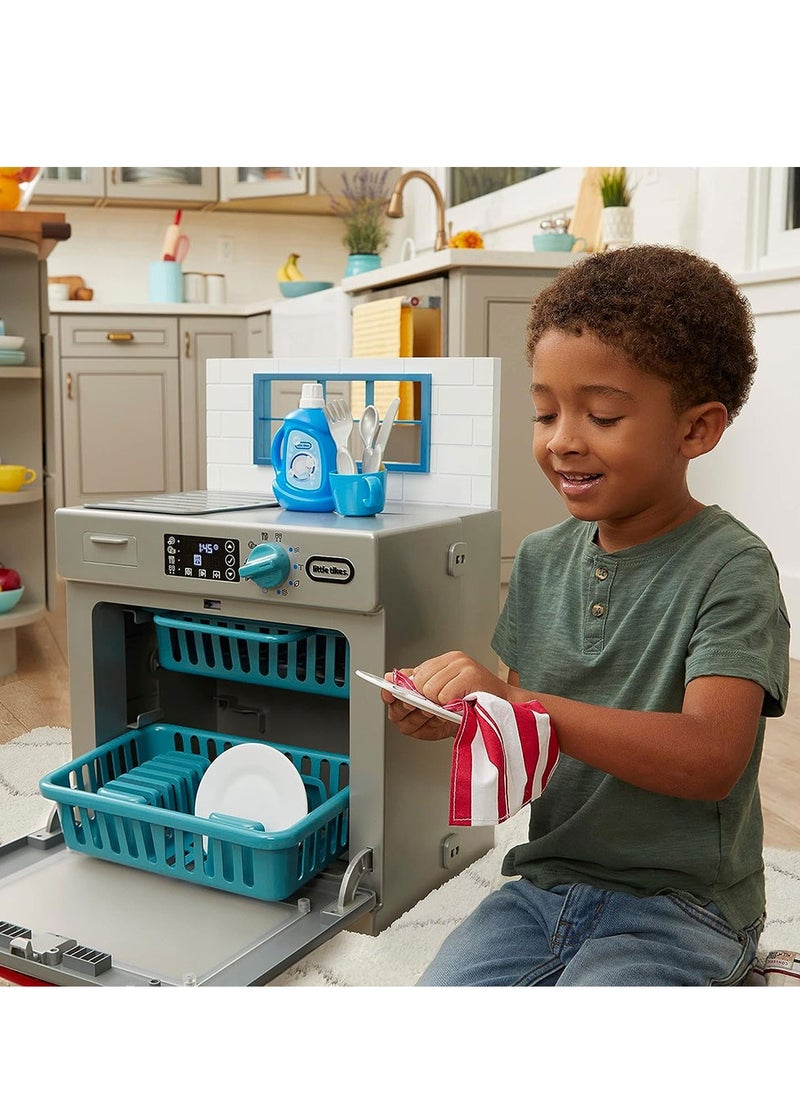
x: 35, y: 493
x: 20, y: 372
x: 27, y: 612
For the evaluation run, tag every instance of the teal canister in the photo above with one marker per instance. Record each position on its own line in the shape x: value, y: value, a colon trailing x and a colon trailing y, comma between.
x: 303, y: 455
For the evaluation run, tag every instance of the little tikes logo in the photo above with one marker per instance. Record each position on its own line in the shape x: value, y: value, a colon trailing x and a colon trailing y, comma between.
x: 330, y: 569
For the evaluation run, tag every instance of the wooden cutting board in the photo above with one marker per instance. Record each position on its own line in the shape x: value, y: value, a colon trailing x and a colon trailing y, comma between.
x: 587, y: 217
x: 24, y: 225
x: 72, y: 281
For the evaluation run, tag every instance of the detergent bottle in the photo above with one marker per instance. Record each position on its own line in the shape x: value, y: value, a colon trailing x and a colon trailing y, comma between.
x: 303, y: 455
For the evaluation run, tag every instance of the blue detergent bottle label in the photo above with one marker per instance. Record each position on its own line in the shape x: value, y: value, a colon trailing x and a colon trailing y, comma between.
x: 303, y: 461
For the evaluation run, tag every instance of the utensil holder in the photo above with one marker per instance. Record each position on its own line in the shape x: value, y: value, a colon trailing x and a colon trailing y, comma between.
x: 166, y: 283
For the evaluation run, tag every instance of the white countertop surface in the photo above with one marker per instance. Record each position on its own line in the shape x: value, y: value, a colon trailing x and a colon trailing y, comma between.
x: 430, y: 264
x: 441, y: 262
x: 145, y: 308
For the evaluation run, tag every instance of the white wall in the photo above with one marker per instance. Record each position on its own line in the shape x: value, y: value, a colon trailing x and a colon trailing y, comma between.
x: 111, y: 248
x: 753, y: 471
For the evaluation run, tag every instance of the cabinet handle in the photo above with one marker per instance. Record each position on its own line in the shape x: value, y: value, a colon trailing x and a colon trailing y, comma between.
x: 113, y: 176
x: 186, y: 345
x: 119, y: 336
x: 69, y: 386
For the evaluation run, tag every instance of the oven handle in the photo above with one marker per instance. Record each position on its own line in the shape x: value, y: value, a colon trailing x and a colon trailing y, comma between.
x: 231, y: 633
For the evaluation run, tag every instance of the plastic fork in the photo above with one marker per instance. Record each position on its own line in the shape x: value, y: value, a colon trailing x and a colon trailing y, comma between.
x: 340, y: 424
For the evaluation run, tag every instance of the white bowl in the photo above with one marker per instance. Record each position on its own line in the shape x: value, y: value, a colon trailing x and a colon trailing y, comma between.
x: 11, y: 342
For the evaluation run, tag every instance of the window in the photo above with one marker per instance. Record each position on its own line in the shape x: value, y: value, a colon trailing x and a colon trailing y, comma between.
x: 547, y: 192
x: 274, y: 395
x: 466, y: 183
x: 782, y: 245
x: 793, y: 199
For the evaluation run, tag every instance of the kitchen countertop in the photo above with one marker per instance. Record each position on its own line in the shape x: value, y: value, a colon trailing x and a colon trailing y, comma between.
x: 428, y: 264
x: 145, y: 308
x: 440, y: 262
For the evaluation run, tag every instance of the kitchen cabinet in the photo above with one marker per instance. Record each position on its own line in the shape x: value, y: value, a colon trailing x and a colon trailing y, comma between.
x: 488, y: 315
x: 24, y: 409
x: 262, y: 182
x: 187, y: 186
x: 259, y: 335
x: 202, y: 338
x: 304, y: 190
x: 133, y: 401
x: 120, y: 392
x: 484, y: 314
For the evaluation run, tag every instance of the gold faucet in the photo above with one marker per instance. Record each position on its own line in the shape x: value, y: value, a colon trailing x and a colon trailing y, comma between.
x: 396, y: 203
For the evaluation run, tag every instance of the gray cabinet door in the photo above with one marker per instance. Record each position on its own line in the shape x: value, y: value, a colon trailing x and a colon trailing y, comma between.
x: 121, y: 427
x: 202, y: 338
x: 488, y: 316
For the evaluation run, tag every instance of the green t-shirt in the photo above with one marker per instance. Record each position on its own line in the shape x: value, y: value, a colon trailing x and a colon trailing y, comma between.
x: 630, y: 630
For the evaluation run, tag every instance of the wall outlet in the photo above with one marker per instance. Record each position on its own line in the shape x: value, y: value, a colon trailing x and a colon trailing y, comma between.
x: 225, y: 249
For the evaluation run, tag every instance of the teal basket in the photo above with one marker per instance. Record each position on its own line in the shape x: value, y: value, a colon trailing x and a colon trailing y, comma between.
x: 302, y: 659
x: 132, y: 801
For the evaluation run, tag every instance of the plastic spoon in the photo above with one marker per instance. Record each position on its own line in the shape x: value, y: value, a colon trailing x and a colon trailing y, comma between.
x: 368, y: 426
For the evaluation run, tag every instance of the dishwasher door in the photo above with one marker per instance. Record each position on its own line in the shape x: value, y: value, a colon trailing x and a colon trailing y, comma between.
x: 69, y: 919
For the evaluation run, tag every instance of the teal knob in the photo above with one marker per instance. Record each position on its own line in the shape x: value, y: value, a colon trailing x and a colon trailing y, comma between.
x: 267, y: 565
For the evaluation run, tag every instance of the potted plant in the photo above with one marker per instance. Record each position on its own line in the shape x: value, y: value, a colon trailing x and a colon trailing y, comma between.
x: 617, y: 216
x: 362, y: 208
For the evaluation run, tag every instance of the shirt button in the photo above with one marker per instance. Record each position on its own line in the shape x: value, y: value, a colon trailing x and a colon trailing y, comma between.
x: 598, y: 610
x: 601, y: 573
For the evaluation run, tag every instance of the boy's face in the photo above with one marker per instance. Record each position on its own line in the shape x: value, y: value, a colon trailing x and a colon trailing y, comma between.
x: 607, y: 437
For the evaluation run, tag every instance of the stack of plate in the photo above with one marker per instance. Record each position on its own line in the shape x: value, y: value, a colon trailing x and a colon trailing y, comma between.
x: 160, y: 176
x: 11, y: 352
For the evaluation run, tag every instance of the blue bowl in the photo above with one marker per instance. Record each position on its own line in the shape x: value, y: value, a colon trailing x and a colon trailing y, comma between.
x: 9, y: 598
x: 300, y: 289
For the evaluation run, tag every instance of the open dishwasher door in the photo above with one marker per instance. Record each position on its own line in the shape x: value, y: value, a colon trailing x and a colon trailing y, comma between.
x: 70, y: 920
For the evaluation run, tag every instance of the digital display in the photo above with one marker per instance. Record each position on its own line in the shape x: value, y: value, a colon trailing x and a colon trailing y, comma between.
x: 197, y: 557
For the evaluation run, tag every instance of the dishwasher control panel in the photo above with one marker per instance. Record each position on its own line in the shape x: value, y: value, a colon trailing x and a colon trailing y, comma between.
x: 205, y: 557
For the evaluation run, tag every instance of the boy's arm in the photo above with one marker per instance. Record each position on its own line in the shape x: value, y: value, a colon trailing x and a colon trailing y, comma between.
x: 697, y: 753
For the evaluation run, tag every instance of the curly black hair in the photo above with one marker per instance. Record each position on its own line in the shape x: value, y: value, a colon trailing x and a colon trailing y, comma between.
x: 670, y: 312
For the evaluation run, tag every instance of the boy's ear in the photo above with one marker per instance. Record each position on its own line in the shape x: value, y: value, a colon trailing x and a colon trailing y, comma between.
x: 703, y: 426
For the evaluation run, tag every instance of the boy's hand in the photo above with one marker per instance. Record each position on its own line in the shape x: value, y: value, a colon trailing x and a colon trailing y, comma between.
x: 443, y: 679
x: 453, y: 675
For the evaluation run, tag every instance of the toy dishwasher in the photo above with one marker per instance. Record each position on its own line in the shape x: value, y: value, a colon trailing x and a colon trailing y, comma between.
x: 192, y: 632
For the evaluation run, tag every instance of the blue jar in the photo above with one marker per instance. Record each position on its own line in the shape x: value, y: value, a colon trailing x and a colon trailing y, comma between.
x: 303, y: 456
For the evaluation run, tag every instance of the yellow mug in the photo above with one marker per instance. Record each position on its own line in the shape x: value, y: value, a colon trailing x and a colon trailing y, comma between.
x: 14, y: 476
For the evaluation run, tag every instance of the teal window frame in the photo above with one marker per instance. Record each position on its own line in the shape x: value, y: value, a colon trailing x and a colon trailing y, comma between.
x: 263, y: 418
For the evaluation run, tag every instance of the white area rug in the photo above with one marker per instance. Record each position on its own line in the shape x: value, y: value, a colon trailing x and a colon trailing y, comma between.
x: 401, y: 952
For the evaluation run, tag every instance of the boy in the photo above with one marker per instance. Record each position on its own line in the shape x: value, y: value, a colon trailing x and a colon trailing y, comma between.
x: 653, y: 631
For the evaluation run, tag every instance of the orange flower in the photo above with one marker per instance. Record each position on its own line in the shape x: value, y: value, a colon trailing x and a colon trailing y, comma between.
x: 469, y: 238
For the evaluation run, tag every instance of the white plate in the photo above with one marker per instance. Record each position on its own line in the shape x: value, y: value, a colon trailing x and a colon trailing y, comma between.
x: 11, y: 342
x: 409, y: 697
x: 253, y: 781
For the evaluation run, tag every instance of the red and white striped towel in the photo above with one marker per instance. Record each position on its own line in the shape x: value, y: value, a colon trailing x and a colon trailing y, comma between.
x: 503, y: 757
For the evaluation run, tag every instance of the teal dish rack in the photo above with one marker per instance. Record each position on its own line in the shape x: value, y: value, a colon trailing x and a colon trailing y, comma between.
x: 302, y: 659
x: 131, y: 801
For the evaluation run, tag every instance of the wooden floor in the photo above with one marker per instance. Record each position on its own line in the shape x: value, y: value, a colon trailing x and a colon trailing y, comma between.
x: 37, y: 695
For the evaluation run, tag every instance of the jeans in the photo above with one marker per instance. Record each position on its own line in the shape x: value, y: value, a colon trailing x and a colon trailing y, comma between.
x: 578, y: 935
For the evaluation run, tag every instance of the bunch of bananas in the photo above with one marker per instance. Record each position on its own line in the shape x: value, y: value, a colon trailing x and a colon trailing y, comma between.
x: 289, y: 272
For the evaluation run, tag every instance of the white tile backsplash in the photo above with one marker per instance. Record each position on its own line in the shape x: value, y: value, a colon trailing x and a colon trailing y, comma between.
x: 464, y: 428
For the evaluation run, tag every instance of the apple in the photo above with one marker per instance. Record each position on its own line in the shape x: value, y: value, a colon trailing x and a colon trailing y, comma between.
x: 9, y: 579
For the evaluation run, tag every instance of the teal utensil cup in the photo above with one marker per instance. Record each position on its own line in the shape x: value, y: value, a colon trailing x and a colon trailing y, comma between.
x: 360, y: 495
x: 166, y: 283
